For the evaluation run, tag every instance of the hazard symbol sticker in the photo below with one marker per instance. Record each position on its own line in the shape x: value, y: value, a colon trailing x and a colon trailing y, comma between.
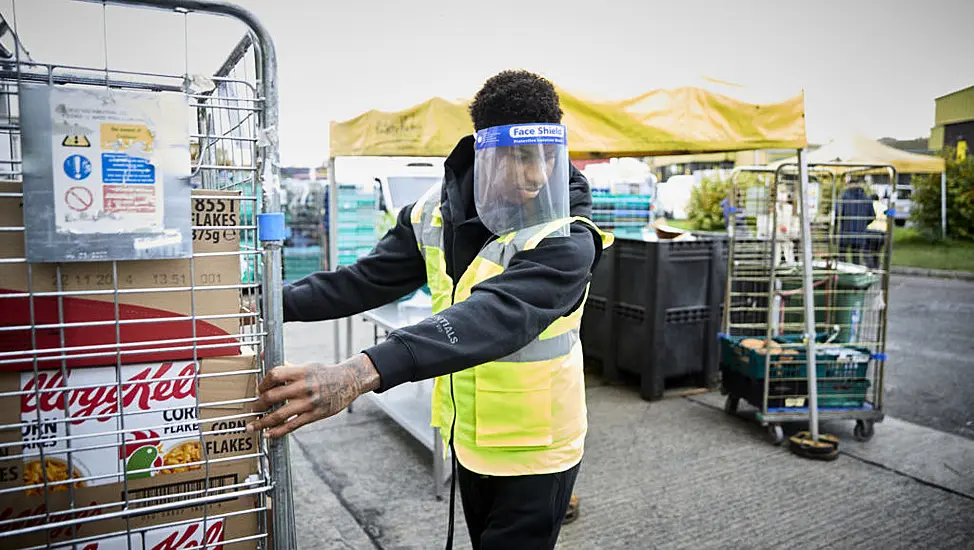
x: 78, y: 198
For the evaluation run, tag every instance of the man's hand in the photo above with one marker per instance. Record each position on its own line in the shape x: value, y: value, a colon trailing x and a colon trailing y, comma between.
x: 310, y: 392
x: 248, y: 307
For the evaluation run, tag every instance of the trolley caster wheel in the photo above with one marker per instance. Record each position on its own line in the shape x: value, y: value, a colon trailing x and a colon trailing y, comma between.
x: 730, y: 404
x: 863, y: 430
x: 776, y: 433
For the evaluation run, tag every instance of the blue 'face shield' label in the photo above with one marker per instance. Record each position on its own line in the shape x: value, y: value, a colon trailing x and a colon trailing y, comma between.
x: 521, y: 134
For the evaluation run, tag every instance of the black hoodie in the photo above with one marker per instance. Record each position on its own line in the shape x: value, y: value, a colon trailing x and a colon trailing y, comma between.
x: 502, y: 314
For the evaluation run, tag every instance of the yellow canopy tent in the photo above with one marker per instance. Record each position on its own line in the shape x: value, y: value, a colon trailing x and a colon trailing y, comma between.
x: 674, y: 121
x: 660, y: 122
x: 858, y: 149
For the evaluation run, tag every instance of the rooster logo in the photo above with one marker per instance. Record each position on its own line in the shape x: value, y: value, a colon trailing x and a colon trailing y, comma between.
x: 143, y: 450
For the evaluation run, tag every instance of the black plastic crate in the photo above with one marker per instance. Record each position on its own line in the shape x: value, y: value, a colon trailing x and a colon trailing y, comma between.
x: 666, y: 274
x: 667, y: 310
x: 602, y: 277
x: 665, y: 344
x: 596, y: 331
x: 654, y: 310
x: 721, y: 242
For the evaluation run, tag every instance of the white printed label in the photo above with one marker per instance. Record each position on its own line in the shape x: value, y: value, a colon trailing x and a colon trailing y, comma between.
x: 111, y: 150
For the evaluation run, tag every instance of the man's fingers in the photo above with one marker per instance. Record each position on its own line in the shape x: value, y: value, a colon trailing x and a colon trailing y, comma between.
x: 279, y: 416
x: 291, y: 425
x: 280, y: 394
x: 278, y: 376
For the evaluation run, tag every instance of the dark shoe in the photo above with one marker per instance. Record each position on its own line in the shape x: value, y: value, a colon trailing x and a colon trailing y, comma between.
x: 572, y: 513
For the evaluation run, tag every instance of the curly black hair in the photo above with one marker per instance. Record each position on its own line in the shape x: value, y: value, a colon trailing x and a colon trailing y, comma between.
x: 515, y: 97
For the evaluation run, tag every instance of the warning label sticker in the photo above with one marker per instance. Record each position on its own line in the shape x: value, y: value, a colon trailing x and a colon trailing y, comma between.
x: 108, y: 158
x: 76, y: 141
x: 126, y: 136
x: 77, y: 167
x: 79, y: 198
x: 123, y: 168
x: 127, y: 199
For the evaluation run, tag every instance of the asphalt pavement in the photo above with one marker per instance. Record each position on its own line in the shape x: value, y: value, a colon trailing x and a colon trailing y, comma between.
x: 930, y: 343
x: 676, y: 473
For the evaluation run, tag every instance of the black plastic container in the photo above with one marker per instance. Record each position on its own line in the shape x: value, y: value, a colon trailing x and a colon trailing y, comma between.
x: 663, y: 312
x: 596, y: 321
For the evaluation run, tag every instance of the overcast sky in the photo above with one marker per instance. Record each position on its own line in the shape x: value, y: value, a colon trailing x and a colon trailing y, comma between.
x: 871, y: 66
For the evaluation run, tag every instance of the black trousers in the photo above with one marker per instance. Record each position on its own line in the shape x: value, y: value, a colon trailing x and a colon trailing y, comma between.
x: 515, y: 512
x: 867, y: 253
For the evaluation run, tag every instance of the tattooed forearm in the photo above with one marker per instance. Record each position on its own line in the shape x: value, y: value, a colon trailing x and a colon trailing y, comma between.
x: 332, y: 388
x: 365, y: 372
x: 326, y: 390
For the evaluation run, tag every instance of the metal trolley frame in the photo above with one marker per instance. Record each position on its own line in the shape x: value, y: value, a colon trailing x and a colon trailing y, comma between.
x: 778, y: 280
x: 235, y: 149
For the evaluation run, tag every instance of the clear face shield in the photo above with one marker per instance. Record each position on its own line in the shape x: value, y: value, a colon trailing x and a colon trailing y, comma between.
x: 521, y: 176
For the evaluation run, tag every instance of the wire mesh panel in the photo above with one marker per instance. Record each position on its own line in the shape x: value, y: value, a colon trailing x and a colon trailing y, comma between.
x: 125, y: 386
x: 764, y: 351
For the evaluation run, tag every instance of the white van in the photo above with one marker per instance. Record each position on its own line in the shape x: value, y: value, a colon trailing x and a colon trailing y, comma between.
x: 903, y: 201
x: 397, y: 181
x: 904, y: 204
x: 404, y: 184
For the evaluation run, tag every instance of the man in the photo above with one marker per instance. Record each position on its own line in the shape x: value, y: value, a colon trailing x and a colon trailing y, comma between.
x: 507, y: 251
x: 855, y: 214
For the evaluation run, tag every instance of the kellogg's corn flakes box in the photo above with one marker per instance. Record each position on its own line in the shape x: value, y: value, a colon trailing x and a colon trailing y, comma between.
x: 102, y: 425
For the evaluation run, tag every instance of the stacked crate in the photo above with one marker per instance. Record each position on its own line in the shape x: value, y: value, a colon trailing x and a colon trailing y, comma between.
x: 303, y: 250
x: 613, y: 211
x: 355, y: 228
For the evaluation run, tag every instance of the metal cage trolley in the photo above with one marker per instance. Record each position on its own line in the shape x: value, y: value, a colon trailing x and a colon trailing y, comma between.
x: 764, y: 352
x: 139, y: 215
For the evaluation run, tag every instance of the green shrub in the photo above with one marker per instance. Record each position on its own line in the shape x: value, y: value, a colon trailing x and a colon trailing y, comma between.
x: 960, y: 199
x: 704, y: 210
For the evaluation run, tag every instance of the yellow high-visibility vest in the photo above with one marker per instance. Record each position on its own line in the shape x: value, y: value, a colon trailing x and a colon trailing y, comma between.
x: 522, y: 414
x: 878, y: 224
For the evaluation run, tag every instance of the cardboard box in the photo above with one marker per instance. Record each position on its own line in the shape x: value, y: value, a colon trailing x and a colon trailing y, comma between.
x: 190, y: 535
x: 99, y: 501
x: 157, y: 433
x: 193, y: 535
x: 160, y: 406
x: 214, y: 335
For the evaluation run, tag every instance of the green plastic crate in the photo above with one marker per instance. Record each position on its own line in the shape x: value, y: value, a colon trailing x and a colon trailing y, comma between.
x: 842, y: 394
x: 853, y: 363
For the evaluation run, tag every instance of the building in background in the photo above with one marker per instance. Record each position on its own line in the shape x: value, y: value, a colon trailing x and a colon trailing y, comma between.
x: 953, y: 119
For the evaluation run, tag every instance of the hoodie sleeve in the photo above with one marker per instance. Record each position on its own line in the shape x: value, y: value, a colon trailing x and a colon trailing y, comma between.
x: 502, y: 314
x: 392, y: 270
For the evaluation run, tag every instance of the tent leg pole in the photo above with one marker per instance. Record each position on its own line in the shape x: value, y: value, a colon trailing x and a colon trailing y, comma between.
x: 333, y: 248
x: 943, y: 204
x: 809, y: 292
